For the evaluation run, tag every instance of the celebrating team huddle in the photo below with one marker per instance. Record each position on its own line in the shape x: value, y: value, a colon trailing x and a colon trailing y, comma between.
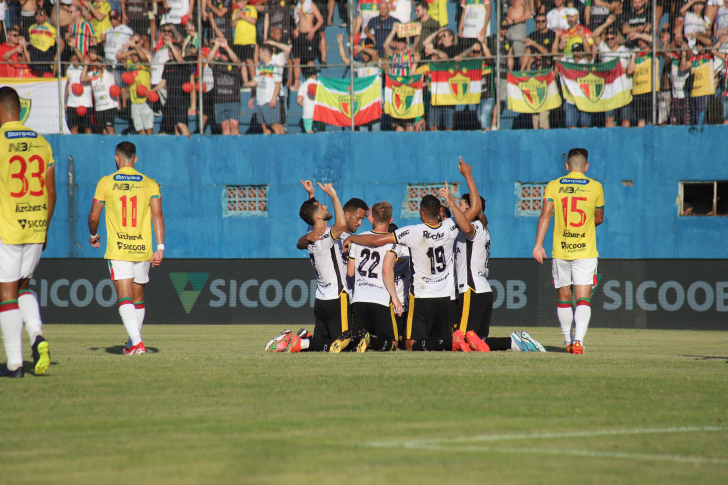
x: 419, y: 287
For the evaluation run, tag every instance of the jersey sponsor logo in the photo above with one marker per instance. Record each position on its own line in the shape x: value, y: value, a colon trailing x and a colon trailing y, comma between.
x: 11, y: 135
x: 131, y: 247
x: 125, y: 186
x: 565, y: 245
x: 33, y: 223
x: 21, y: 147
x: 404, y: 233
x: 26, y: 207
x: 568, y: 233
x: 128, y: 178
x: 125, y: 236
x: 435, y: 237
x: 567, y: 180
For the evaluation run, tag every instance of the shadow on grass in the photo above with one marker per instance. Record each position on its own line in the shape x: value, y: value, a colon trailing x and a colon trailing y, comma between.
x: 553, y: 348
x: 119, y: 349
x: 706, y: 357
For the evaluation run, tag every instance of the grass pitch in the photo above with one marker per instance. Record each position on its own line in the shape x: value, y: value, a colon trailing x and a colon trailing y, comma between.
x: 207, y: 405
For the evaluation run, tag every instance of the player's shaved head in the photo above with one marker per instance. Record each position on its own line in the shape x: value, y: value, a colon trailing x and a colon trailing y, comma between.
x: 430, y: 206
x: 382, y: 212
x: 355, y: 204
x: 126, y: 150
x: 9, y: 103
x: 578, y: 158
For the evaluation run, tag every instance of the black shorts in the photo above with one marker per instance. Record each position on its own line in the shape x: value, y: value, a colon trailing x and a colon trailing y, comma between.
x: 176, y: 113
x: 475, y: 310
x: 304, y: 49
x: 74, y: 120
x: 642, y: 104
x: 429, y: 317
x: 332, y: 317
x: 244, y: 52
x: 401, y: 323
x: 375, y: 318
x: 106, y: 117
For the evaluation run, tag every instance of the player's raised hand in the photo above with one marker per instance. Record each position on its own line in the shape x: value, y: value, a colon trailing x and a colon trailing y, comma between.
x: 95, y: 241
x: 308, y: 186
x: 370, y: 218
x: 539, y: 253
x: 316, y: 235
x: 447, y: 195
x: 328, y: 189
x: 347, y: 244
x: 465, y: 169
x: 157, y: 258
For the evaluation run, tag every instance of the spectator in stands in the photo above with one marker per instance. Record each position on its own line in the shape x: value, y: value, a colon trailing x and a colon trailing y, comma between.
x: 136, y: 58
x: 175, y: 11
x: 637, y: 18
x: 116, y: 36
x: 699, y: 103
x: 695, y: 23
x: 474, y: 20
x: 717, y: 13
x: 101, y: 77
x: 65, y: 13
x: 135, y: 14
x: 207, y: 81
x: 78, y: 122
x: 97, y: 13
x: 81, y: 30
x: 720, y: 50
x: 227, y: 86
x: 401, y: 61
x: 307, y: 36
x: 575, y: 34
x: 276, y: 35
x: 438, y: 11
x: 679, y: 74
x: 365, y: 62
x: 541, y: 41
x: 28, y: 8
x: 507, y: 63
x: 368, y: 9
x: 164, y: 53
x: 268, y: 79
x: 15, y: 55
x: 42, y: 46
x: 378, y: 28
x: 519, y: 11
x: 243, y: 21
x: 609, y: 50
x: 279, y: 14
x: 485, y: 109
x: 429, y: 26
x: 176, y: 74
x: 218, y: 15
x: 557, y: 17
x: 306, y: 100
x: 445, y: 48
x: 642, y: 102
x: 574, y: 116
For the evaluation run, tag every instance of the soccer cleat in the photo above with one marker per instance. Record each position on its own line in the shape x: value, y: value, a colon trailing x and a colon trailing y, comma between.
x: 459, y: 343
x: 475, y: 342
x: 17, y: 373
x: 340, y: 343
x: 577, y: 348
x: 523, y: 342
x: 41, y: 356
x: 137, y: 349
x: 569, y: 348
x: 303, y: 333
x: 294, y: 344
x: 274, y: 340
x: 364, y: 340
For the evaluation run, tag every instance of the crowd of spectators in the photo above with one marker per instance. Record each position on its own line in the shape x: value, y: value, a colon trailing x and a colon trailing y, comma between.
x: 134, y: 59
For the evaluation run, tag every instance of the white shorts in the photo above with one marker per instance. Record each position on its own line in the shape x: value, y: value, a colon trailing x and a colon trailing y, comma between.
x: 576, y: 272
x: 124, y: 270
x: 18, y: 261
x: 142, y: 116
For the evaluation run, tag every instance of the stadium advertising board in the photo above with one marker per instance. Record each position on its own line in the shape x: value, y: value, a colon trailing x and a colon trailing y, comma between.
x: 679, y: 294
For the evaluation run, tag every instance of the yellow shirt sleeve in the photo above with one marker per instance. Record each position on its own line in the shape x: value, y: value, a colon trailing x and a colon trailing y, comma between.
x: 549, y: 192
x: 99, y: 194
x: 600, y: 198
x: 154, y: 192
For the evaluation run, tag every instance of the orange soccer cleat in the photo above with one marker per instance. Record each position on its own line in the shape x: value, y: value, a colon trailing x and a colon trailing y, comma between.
x: 475, y: 342
x: 459, y: 343
x: 577, y: 348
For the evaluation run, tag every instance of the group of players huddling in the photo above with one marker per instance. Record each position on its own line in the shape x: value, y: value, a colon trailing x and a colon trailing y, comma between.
x: 405, y: 280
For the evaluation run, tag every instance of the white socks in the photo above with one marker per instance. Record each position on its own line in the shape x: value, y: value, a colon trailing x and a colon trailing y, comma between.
x: 304, y: 343
x: 11, y: 323
x: 582, y: 315
x: 566, y: 318
x: 140, y: 311
x: 30, y: 311
x: 129, y: 317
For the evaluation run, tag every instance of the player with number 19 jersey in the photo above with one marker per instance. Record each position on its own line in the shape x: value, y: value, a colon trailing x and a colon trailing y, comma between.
x: 575, y: 198
x: 126, y: 195
x: 24, y: 214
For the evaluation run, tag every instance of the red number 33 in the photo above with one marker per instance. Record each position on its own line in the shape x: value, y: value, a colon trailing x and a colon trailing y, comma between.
x: 25, y: 184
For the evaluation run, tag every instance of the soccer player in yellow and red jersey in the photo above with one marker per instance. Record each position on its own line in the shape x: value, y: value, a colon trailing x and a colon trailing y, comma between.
x: 578, y: 206
x: 27, y: 200
x: 133, y: 207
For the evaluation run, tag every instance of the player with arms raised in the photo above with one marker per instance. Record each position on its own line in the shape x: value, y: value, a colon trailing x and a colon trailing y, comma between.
x: 27, y: 200
x: 131, y: 200
x: 578, y: 205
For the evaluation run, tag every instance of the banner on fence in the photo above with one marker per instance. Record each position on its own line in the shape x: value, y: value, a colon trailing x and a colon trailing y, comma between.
x: 403, y: 97
x: 39, y: 103
x: 334, y: 101
x: 595, y: 88
x: 456, y: 82
x: 532, y: 91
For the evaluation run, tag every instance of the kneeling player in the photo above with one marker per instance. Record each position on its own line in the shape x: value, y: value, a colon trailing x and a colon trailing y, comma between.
x: 131, y: 200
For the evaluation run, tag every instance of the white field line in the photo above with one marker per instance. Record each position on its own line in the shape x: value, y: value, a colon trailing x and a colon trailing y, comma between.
x: 441, y: 444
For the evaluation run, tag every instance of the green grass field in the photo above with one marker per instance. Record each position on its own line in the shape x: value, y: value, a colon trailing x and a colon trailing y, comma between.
x: 207, y: 405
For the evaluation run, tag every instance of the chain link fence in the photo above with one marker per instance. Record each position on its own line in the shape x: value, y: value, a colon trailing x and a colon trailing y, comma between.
x: 233, y: 67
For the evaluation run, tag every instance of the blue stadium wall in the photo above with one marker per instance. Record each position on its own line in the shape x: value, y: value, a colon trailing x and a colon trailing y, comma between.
x: 640, y: 220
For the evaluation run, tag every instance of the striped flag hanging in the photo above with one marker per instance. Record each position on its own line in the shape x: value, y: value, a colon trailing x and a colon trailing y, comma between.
x: 532, y: 91
x: 333, y: 101
x: 456, y: 82
x: 595, y: 88
x: 403, y: 97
